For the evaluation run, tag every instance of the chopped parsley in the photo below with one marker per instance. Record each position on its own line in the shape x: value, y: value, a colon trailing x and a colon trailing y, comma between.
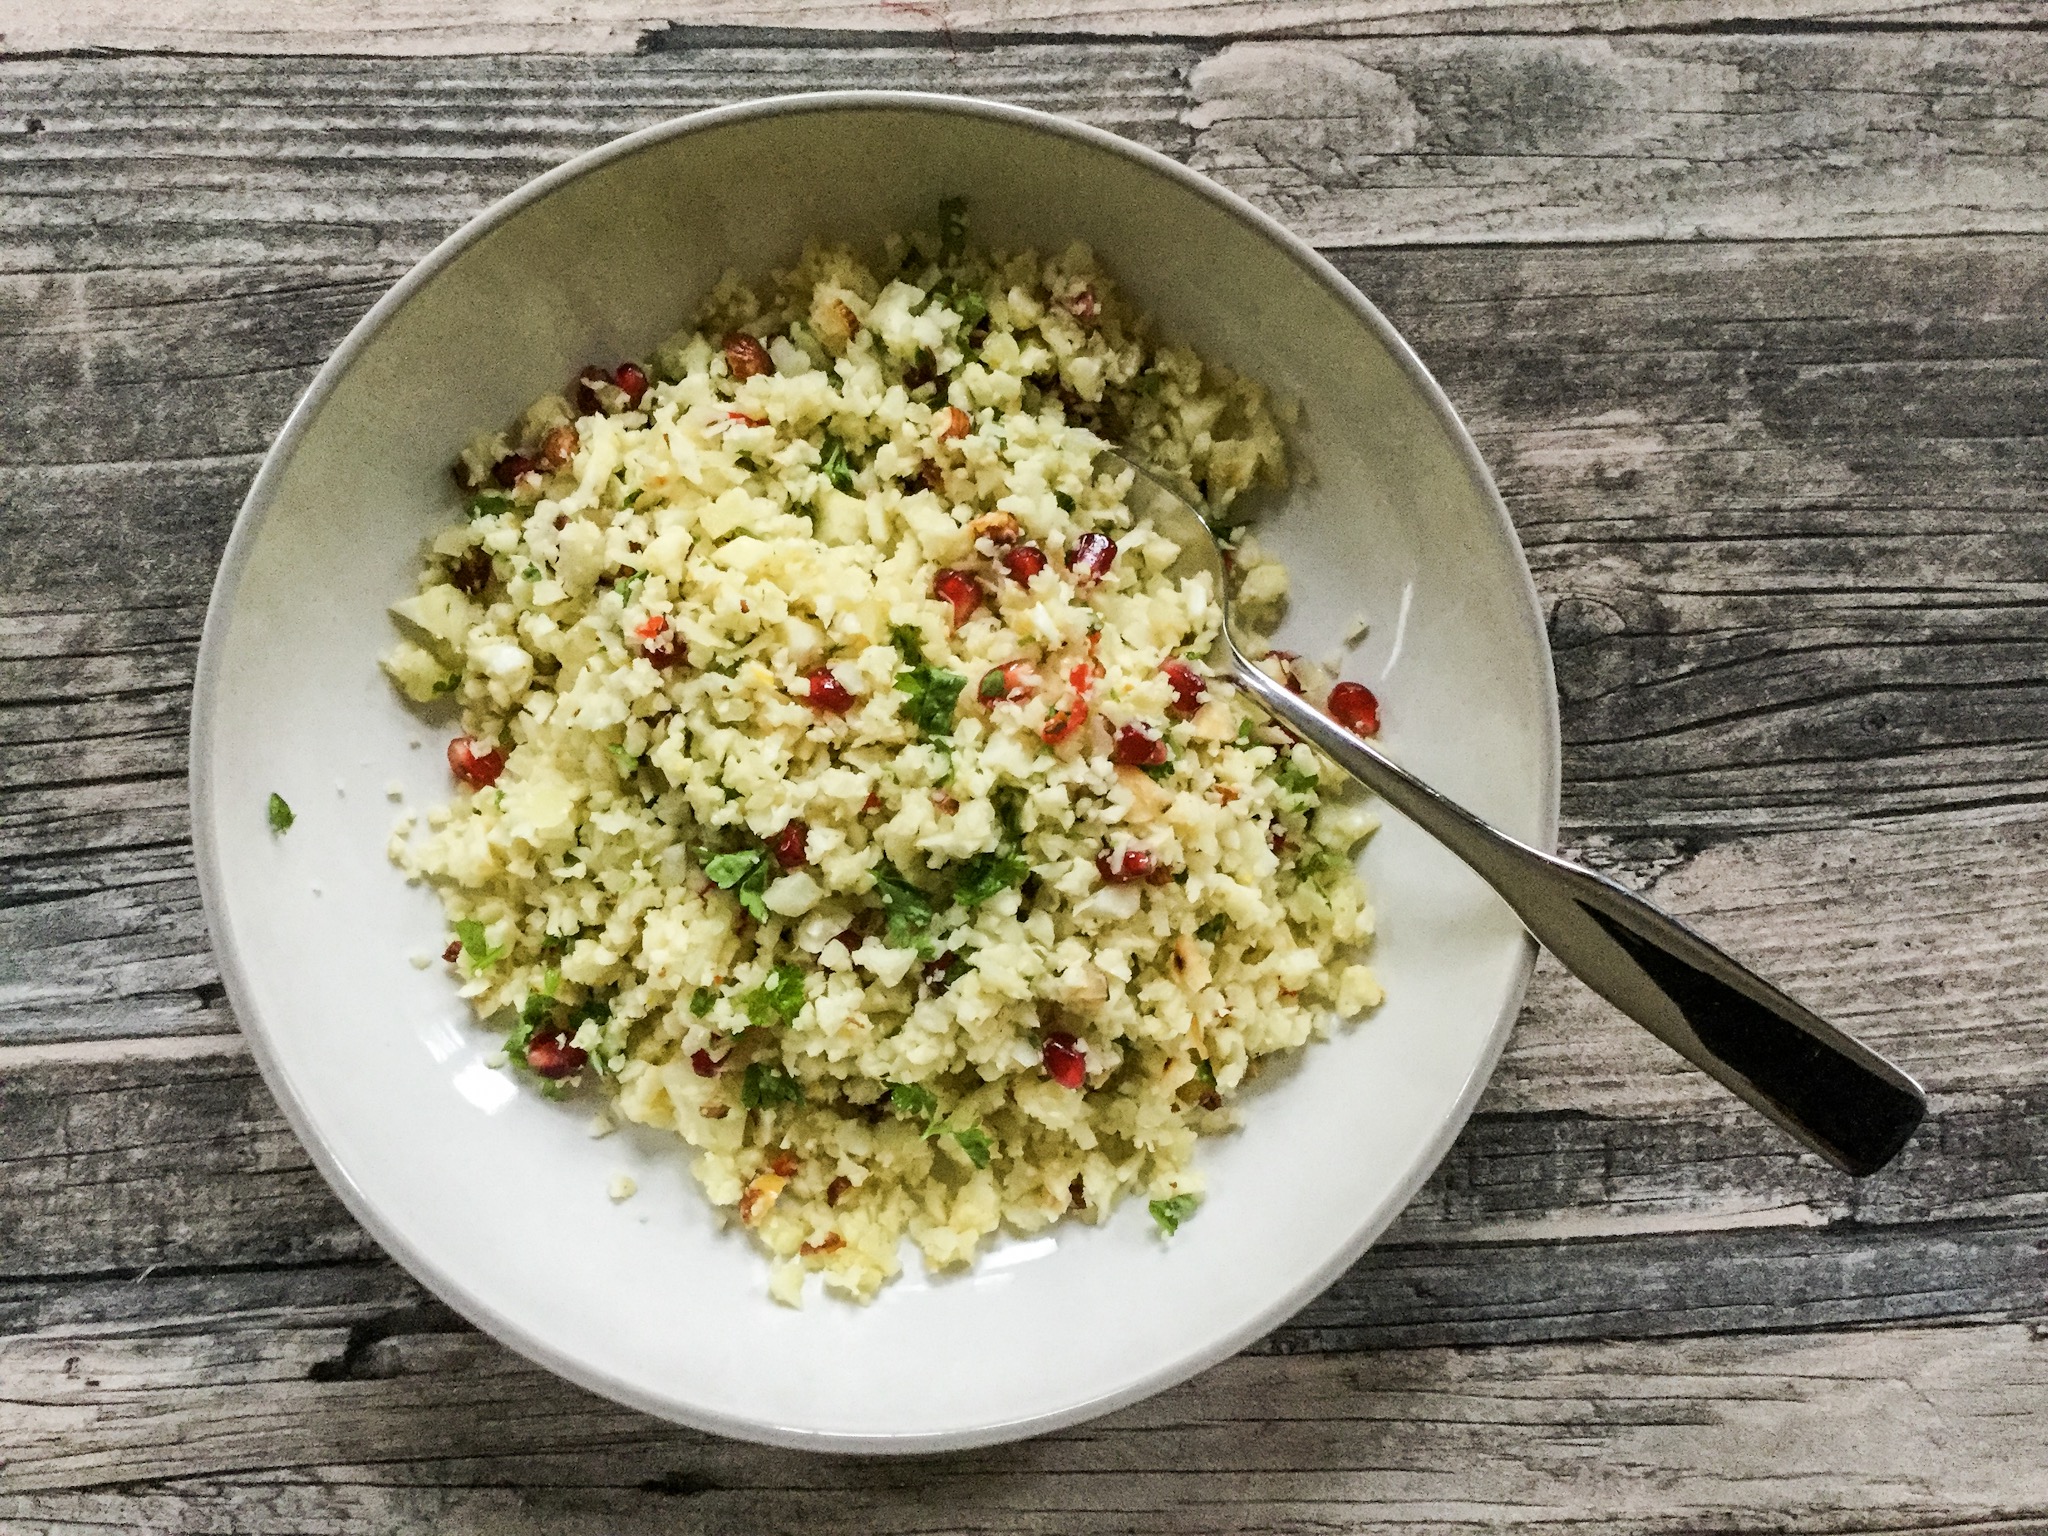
x: 1244, y: 731
x: 745, y: 874
x: 532, y: 1014
x: 992, y: 684
x: 1212, y: 930
x: 908, y: 909
x: 987, y: 874
x: 973, y: 1140
x: 834, y: 465
x: 488, y: 503
x: 767, y: 1085
x: 777, y: 1000
x: 908, y: 642
x: 476, y: 946
x: 701, y: 1001
x: 1297, y: 782
x: 913, y: 1100
x: 1066, y: 502
x: 1171, y: 1213
x: 281, y: 817
x: 1159, y: 773
x: 930, y: 695
x: 446, y: 684
x: 628, y: 764
x: 1205, y: 1072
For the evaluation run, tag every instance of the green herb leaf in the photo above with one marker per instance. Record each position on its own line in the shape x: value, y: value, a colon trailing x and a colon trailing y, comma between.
x: 532, y: 1013
x: 701, y: 1001
x: 992, y: 686
x: 1204, y: 1072
x: 1212, y: 930
x: 834, y: 465
x: 281, y: 817
x: 777, y: 1000
x: 766, y: 1084
x: 1244, y: 732
x: 974, y: 1142
x: 1171, y: 1213
x: 930, y: 696
x: 952, y: 228
x: 1159, y: 773
x: 908, y: 909
x: 969, y: 305
x: 987, y: 874
x: 1296, y: 782
x: 913, y: 1100
x: 487, y: 503
x: 628, y: 764
x: 550, y: 982
x: 446, y: 684
x: 476, y: 946
x: 908, y: 642
x: 729, y: 869
x: 1066, y: 502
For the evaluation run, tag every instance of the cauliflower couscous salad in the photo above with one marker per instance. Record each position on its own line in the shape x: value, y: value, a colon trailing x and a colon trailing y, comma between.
x: 840, y: 784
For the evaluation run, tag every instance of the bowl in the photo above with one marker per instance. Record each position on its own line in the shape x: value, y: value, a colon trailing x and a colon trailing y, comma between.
x: 496, y: 1198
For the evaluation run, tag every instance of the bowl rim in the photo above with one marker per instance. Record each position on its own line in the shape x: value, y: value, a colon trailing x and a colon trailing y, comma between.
x: 257, y: 505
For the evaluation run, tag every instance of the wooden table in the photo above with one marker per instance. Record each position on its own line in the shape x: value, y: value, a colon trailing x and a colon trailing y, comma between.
x: 1746, y: 301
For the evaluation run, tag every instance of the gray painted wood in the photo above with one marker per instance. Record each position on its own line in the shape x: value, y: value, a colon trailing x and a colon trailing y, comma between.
x: 1748, y: 321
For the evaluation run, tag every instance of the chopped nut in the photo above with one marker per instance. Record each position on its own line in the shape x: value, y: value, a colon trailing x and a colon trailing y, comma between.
x: 715, y: 1111
x: 831, y: 1242
x: 1190, y: 965
x: 997, y: 527
x: 760, y: 1195
x: 558, y: 448
x: 837, y: 1189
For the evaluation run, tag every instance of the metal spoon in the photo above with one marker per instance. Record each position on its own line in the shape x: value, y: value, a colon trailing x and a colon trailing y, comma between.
x: 1829, y: 1090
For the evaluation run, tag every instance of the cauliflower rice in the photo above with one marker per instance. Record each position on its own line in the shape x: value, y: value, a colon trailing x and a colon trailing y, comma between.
x: 830, y: 796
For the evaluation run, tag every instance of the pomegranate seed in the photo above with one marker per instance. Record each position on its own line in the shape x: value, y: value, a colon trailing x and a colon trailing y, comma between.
x: 790, y: 845
x: 473, y: 764
x: 554, y: 1056
x: 752, y: 421
x: 702, y: 1064
x: 1355, y: 707
x: 1277, y: 841
x: 1083, y: 306
x: 650, y: 627
x: 1125, y: 868
x: 824, y: 692
x: 961, y: 590
x: 873, y: 803
x: 588, y: 402
x: 850, y: 937
x: 1138, y: 746
x: 511, y: 469
x: 1023, y: 562
x: 1091, y: 556
x: 1062, y: 722
x: 744, y: 356
x: 662, y: 653
x: 1189, y: 691
x: 453, y: 952
x: 1011, y: 683
x: 1066, y: 1063
x: 951, y: 423
x: 632, y: 381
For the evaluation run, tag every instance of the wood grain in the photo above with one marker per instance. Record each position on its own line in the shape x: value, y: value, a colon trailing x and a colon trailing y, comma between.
x: 408, y: 27
x: 198, y: 1398
x: 148, y: 160
x: 1742, y: 300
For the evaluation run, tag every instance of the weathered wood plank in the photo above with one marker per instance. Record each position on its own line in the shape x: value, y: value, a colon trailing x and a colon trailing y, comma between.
x: 1807, y: 620
x: 402, y: 27
x: 1626, y: 1436
x: 121, y: 1159
x: 148, y: 160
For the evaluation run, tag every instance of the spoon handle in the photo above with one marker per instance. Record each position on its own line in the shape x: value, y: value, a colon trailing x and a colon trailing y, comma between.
x: 1829, y: 1090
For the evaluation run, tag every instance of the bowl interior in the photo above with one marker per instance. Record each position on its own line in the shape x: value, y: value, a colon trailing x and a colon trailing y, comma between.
x: 497, y: 1198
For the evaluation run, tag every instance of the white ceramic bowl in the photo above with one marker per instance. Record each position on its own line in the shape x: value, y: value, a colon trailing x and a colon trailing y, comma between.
x: 496, y: 1198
